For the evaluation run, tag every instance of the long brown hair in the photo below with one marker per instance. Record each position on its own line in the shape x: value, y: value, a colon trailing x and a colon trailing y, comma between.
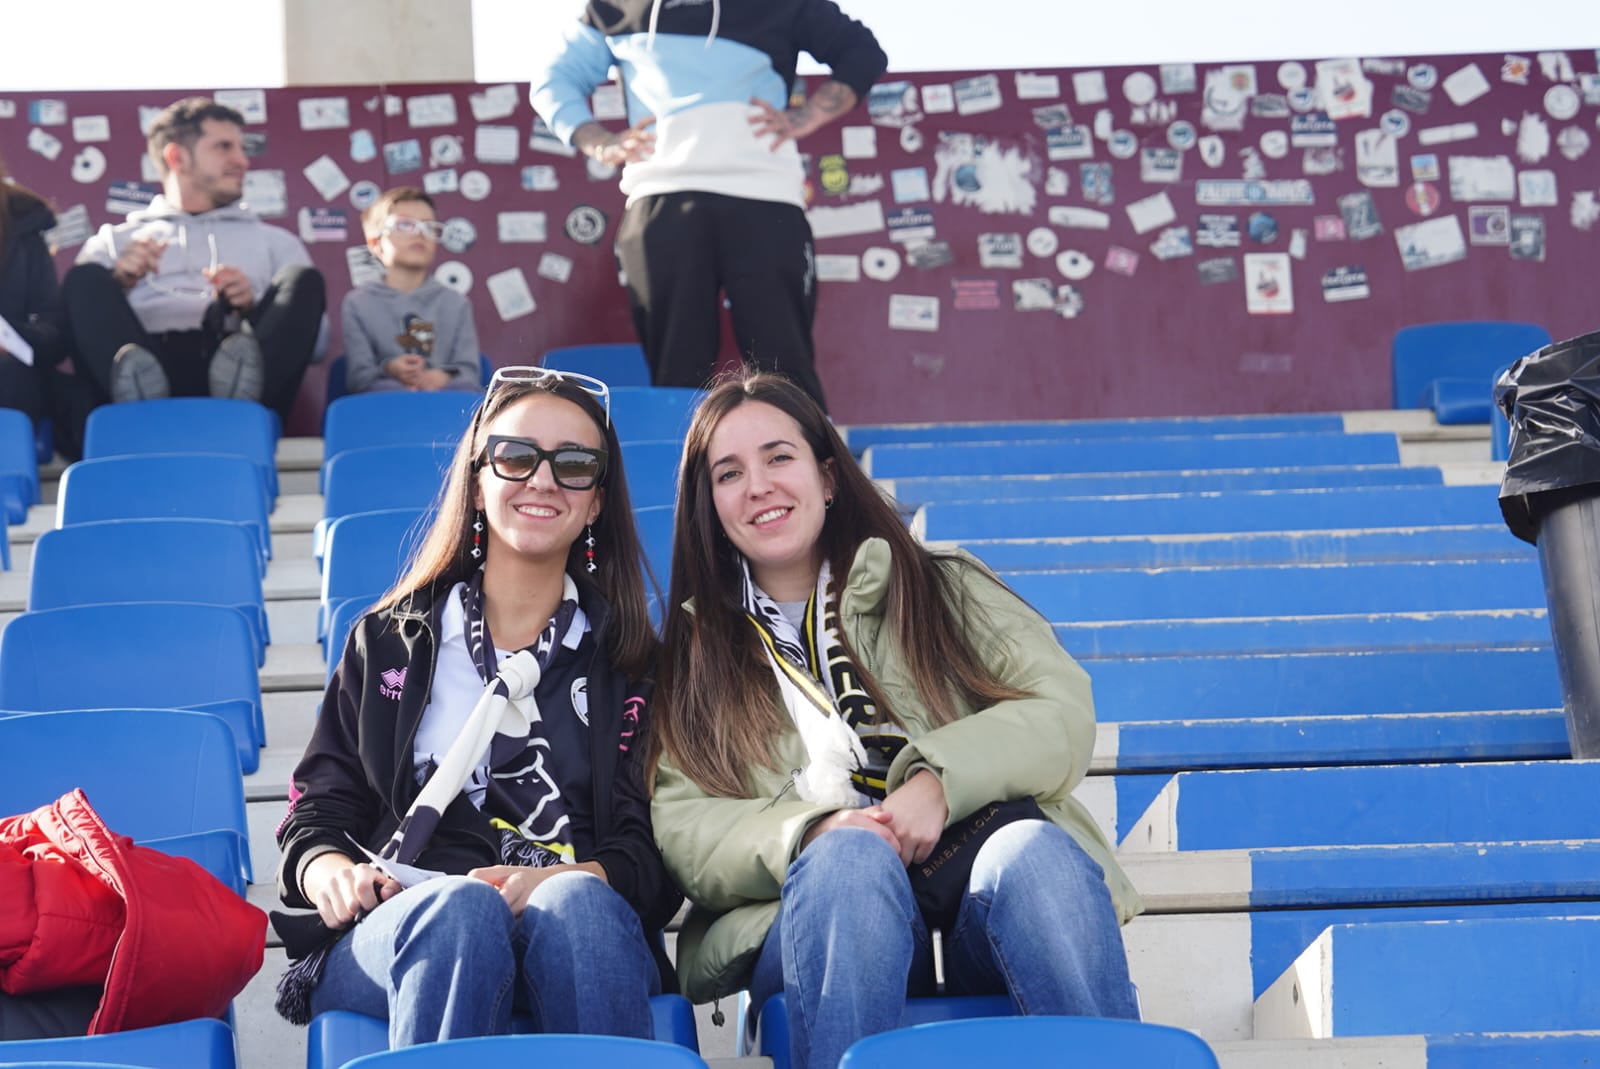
x: 445, y: 555
x: 717, y: 708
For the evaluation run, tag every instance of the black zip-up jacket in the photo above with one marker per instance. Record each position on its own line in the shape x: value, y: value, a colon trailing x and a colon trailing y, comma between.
x: 30, y: 299
x: 356, y: 778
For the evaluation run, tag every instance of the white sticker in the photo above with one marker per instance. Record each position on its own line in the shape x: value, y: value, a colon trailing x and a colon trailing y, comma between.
x: 324, y: 113
x: 8, y: 109
x: 1042, y: 241
x: 88, y: 165
x: 91, y: 128
x: 938, y: 99
x: 444, y: 180
x: 364, y: 267
x: 909, y: 311
x: 459, y: 235
x: 1139, y: 88
x: 910, y: 185
x: 859, y: 142
x: 831, y: 222
x: 910, y: 140
x: 512, y: 298
x: 475, y: 185
x: 251, y: 103
x: 1089, y: 87
x: 1038, y: 86
x: 521, y: 227
x: 1074, y: 264
x: 495, y: 102
x: 1537, y: 189
x: 326, y: 177
x: 879, y: 263
x: 1151, y: 212
x: 978, y: 94
x: 555, y: 267
x: 266, y: 193
x: 1465, y: 85
x: 1275, y: 144
x: 496, y: 144
x: 833, y: 267
x: 434, y: 109
x: 1291, y: 75
x: 46, y: 145
x: 1561, y: 101
x: 455, y: 275
x: 1079, y: 218
x: 363, y: 194
x: 1212, y: 151
x: 1440, y: 135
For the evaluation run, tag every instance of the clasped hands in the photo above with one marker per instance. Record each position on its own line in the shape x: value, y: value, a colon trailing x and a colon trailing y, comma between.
x: 911, y: 819
x: 143, y: 257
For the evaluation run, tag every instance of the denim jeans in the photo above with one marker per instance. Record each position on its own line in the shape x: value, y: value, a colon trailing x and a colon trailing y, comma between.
x: 849, y: 945
x: 440, y: 959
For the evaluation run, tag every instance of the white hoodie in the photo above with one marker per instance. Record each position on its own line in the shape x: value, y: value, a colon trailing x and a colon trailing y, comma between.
x: 241, y: 239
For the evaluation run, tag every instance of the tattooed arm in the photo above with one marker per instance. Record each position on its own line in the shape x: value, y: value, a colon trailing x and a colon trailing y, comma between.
x: 831, y: 100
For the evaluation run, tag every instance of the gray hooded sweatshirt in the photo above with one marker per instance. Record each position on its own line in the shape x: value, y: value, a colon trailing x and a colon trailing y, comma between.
x: 433, y: 314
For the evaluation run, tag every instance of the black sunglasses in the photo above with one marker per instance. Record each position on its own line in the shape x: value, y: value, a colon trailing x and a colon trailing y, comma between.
x: 574, y: 467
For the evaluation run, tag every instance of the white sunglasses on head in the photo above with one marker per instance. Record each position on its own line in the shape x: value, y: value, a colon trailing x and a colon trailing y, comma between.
x: 589, y: 385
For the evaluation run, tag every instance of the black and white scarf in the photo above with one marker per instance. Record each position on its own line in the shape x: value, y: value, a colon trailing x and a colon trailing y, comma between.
x: 849, y: 750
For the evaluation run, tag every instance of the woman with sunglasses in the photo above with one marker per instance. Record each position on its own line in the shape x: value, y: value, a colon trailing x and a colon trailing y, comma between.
x: 832, y: 698
x: 468, y: 819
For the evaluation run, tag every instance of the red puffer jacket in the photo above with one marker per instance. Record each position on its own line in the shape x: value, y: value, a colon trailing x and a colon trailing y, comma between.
x: 80, y: 904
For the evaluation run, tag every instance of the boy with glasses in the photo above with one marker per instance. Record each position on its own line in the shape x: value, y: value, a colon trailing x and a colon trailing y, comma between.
x: 410, y: 331
x: 195, y: 295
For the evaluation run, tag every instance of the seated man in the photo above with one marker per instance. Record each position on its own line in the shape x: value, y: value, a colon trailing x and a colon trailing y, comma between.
x: 195, y: 295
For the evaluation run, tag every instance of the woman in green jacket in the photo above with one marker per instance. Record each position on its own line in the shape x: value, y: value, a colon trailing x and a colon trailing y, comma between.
x: 833, y: 699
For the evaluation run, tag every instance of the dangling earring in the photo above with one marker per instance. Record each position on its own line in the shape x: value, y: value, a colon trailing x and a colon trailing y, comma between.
x: 477, y: 536
x: 588, y: 540
x: 827, y: 503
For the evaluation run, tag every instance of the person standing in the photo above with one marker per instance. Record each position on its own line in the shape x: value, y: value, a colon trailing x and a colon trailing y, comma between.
x: 195, y: 295
x: 715, y: 184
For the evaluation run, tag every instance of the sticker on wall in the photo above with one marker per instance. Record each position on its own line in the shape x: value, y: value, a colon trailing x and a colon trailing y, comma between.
x: 1425, y: 167
x: 1377, y: 159
x: 1262, y: 228
x: 910, y: 224
x: 1212, y: 151
x: 1585, y: 211
x: 1360, y: 216
x: 974, y: 96
x: 834, y: 174
x: 1465, y: 85
x: 893, y: 104
x: 938, y: 99
x: 1561, y: 102
x: 1160, y: 165
x: 910, y: 140
x: 1322, y: 160
x: 1533, y: 138
x: 1441, y: 135
x: 909, y: 311
x: 1037, y: 86
x: 1433, y: 243
x: 250, y: 103
x: 1051, y: 116
x: 995, y: 179
x: 255, y: 143
x: 1573, y: 142
x: 975, y: 294
x: 1527, y: 236
x: 543, y: 139
x: 494, y: 102
x: 89, y: 165
x: 1182, y: 135
x: 930, y: 254
x: 1345, y: 91
x: 1297, y: 243
x: 1094, y: 179
x: 363, y: 146
x: 1122, y: 144
x: 1479, y: 178
x: 521, y: 227
x: 1341, y: 284
x: 1422, y: 198
x: 836, y: 267
x: 72, y: 228
x: 363, y: 266
x: 47, y: 112
x: 1555, y: 66
x: 459, y: 235
x: 1089, y: 87
x: 1516, y: 69
x: 1251, y: 165
x: 45, y: 144
x: 1033, y: 294
x: 323, y: 225
x: 1229, y: 192
x: 1139, y: 88
x: 1057, y: 182
x: 865, y: 185
x: 1217, y: 269
x: 1217, y: 231
x: 858, y: 142
x: 1269, y: 106
x: 607, y: 103
x: 910, y: 185
x: 363, y: 194
x: 999, y: 250
x: 1070, y: 142
x: 1275, y: 144
x: 1328, y: 227
x: 828, y: 222
x: 1406, y: 98
x: 1291, y: 75
x: 324, y: 113
x: 496, y: 144
x: 880, y: 263
x: 1224, y: 107
x: 555, y: 267
x: 1537, y: 189
x: 1489, y: 225
x: 326, y: 177
x: 1075, y: 264
x: 91, y: 128
x: 1423, y: 76
x: 1395, y: 123
x: 431, y: 109
x: 586, y: 224
x: 541, y: 178
x: 1589, y: 85
x: 1311, y: 130
x: 475, y: 185
x: 266, y: 193
x: 1178, y: 78
x: 445, y: 150
x: 1268, y: 284
x: 1074, y: 218
x: 402, y: 157
x: 1069, y: 301
x: 1042, y: 242
x: 1151, y: 212
x: 445, y: 180
x: 1172, y: 243
x: 1121, y: 261
x: 509, y: 290
x: 1304, y: 99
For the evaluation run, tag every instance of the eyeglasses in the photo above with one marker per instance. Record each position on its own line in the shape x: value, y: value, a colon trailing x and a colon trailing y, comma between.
x: 574, y: 467
x: 176, y: 289
x: 402, y: 224
x: 591, y: 386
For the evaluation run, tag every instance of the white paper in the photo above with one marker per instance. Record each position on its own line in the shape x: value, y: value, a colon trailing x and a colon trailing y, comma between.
x: 496, y: 144
x: 1466, y: 85
x: 251, y: 103
x: 89, y: 165
x: 404, y: 875
x: 521, y: 227
x: 913, y: 312
x: 1269, y: 288
x: 859, y: 142
x: 831, y: 222
x: 1377, y: 159
x: 91, y: 128
x: 1038, y: 86
x: 324, y: 113
x: 495, y: 102
x: 833, y: 267
x: 326, y: 176
x: 1089, y: 87
x: 1431, y: 243
x: 13, y: 343
x: 555, y: 267
x: 433, y: 109
x: 512, y: 298
x: 938, y: 99
x: 1151, y: 212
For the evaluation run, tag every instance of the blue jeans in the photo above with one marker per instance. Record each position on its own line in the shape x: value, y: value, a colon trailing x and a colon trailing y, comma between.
x: 440, y: 959
x: 849, y: 945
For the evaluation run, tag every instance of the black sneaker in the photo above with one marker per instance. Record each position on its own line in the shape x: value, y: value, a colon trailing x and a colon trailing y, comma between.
x: 136, y: 375
x: 236, y: 369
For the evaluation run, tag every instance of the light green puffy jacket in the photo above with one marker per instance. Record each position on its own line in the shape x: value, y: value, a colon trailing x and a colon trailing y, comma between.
x: 730, y: 854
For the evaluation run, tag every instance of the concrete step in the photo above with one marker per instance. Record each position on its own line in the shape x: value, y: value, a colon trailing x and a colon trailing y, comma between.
x: 1414, y: 1052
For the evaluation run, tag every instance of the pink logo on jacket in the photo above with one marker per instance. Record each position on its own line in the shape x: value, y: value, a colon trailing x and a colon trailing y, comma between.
x: 392, y: 681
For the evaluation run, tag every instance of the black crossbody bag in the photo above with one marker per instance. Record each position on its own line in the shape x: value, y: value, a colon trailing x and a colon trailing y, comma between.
x: 940, y: 881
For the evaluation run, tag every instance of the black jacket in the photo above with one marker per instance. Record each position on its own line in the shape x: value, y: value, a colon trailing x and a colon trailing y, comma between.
x: 30, y: 298
x: 356, y: 778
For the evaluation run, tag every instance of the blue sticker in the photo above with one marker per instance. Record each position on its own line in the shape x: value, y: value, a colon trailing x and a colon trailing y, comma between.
x: 1313, y: 130
x: 1263, y: 228
x: 1217, y: 231
x: 1303, y: 99
x: 1181, y: 135
x: 1095, y: 179
x: 399, y: 157
x: 362, y: 146
x: 1071, y: 142
x: 1345, y: 284
x: 123, y: 198
x: 1395, y: 123
x: 362, y: 194
x: 911, y: 224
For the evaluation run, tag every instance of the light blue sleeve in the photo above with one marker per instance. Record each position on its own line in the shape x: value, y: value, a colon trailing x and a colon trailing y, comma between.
x: 561, y: 86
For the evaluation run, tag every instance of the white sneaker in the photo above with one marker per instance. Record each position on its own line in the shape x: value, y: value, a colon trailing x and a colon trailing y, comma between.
x: 236, y: 368
x: 136, y: 375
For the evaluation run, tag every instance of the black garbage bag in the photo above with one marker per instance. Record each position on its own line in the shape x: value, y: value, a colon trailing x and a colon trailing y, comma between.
x: 1552, y: 400
x: 1550, y: 496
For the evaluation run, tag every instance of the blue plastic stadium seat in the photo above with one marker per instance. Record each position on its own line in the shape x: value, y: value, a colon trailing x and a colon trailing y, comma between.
x: 366, y: 552
x: 208, y: 562
x: 771, y: 1036
x: 337, y: 1037
x: 652, y: 471
x: 379, y: 477
x: 341, y: 618
x: 1032, y: 1041
x: 145, y: 655
x: 365, y: 419
x: 338, y: 385
x: 196, y: 486
x: 19, y: 466
x: 1469, y: 349
x: 197, y: 1044
x: 187, y: 425
x: 653, y: 413
x: 152, y: 774
x: 616, y: 365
